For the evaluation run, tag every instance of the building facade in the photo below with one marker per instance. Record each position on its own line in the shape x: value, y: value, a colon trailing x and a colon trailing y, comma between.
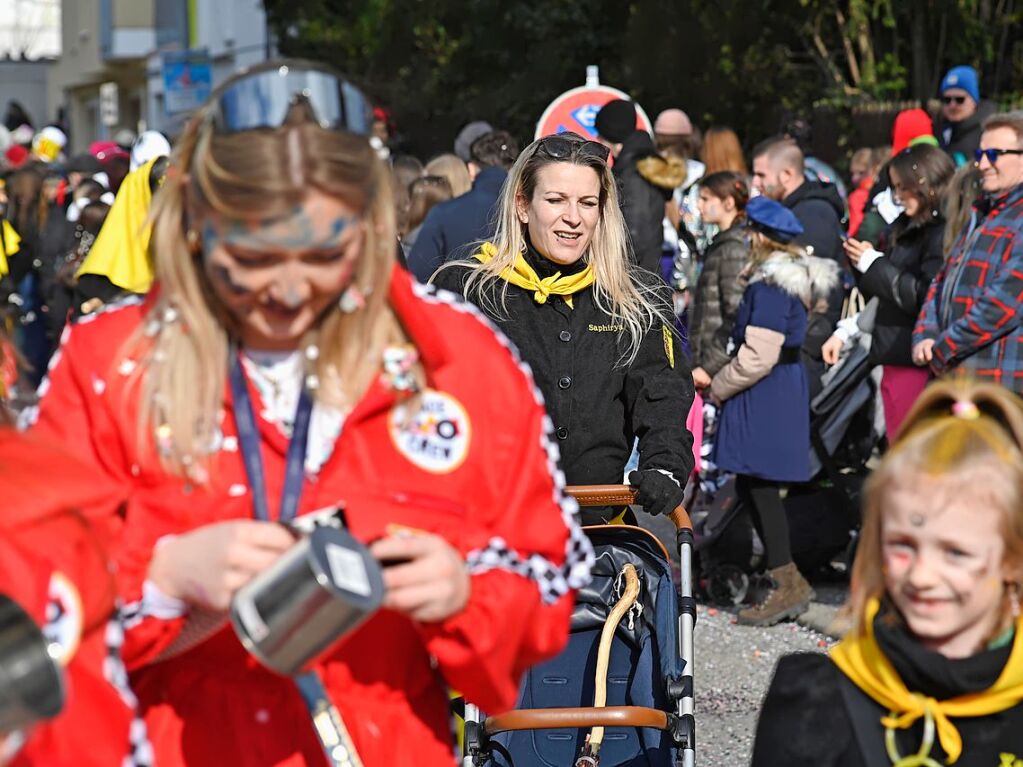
x: 112, y: 72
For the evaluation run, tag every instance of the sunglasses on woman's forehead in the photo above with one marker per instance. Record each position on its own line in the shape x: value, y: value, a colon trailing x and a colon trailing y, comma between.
x: 562, y: 148
x: 263, y: 96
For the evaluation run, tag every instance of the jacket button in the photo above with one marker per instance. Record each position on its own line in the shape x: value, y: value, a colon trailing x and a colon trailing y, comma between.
x: 564, y: 382
x: 565, y: 336
x: 562, y: 432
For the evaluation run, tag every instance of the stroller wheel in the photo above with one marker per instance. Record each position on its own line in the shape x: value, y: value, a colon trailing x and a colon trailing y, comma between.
x: 727, y: 585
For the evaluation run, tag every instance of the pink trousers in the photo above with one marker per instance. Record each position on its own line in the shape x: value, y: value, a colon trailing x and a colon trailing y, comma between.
x: 900, y: 386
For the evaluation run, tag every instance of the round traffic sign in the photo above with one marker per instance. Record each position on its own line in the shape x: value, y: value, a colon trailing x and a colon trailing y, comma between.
x: 576, y: 110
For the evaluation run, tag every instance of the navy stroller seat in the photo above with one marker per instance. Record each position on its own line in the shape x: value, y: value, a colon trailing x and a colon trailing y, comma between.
x: 646, y: 719
x: 639, y: 673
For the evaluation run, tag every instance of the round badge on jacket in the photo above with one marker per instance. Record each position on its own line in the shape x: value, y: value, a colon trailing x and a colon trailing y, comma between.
x: 436, y: 436
x: 64, y: 618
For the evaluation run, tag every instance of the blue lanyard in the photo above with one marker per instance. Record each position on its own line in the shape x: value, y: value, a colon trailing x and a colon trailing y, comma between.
x: 249, y: 441
x: 327, y: 723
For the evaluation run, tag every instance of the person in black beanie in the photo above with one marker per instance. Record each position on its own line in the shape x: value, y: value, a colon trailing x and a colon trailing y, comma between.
x: 643, y: 187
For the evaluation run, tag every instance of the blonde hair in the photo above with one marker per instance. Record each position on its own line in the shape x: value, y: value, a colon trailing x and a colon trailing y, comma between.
x: 451, y: 167
x: 957, y: 205
x: 183, y: 345
x: 956, y: 431
x: 617, y: 289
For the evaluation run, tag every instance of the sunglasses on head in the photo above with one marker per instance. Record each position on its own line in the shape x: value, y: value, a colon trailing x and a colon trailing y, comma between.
x: 954, y: 99
x: 263, y: 96
x: 561, y: 147
x: 992, y: 155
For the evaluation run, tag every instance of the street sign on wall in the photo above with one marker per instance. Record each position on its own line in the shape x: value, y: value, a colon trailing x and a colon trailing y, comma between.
x: 109, y: 107
x: 576, y: 109
x: 187, y: 80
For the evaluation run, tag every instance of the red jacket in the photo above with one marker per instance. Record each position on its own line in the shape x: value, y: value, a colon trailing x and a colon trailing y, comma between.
x: 493, y: 490
x: 54, y: 563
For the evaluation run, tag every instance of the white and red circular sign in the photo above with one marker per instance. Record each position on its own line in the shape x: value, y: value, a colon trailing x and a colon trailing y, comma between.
x: 576, y: 110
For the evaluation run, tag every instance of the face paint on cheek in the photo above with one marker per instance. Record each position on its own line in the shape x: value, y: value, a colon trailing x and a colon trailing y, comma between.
x: 895, y: 563
x: 222, y: 275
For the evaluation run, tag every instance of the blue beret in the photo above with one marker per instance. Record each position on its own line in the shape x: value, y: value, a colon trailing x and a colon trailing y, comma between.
x: 773, y: 219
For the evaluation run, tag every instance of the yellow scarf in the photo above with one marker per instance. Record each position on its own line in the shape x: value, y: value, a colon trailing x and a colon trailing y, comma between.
x: 11, y: 245
x: 121, y: 250
x: 862, y: 660
x: 525, y: 276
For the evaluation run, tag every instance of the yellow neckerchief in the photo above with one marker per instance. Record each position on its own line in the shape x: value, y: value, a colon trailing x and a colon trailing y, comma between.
x: 862, y: 660
x: 11, y: 245
x: 121, y: 250
x: 525, y: 276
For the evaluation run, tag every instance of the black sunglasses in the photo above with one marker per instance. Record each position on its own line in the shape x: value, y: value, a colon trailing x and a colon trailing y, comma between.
x: 954, y: 99
x: 992, y: 155
x: 263, y: 96
x: 563, y: 148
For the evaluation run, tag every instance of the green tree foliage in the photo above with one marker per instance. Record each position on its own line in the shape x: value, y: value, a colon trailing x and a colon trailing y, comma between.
x: 436, y: 64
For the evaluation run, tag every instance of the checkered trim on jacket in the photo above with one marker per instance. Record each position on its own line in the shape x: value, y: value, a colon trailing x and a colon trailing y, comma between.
x: 974, y: 307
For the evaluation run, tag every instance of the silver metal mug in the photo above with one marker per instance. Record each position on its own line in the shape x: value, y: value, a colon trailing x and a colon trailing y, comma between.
x: 325, y: 586
x: 31, y: 681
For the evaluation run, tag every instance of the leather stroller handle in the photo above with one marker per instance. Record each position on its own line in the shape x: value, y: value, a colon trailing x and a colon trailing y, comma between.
x: 620, y: 495
x: 576, y: 718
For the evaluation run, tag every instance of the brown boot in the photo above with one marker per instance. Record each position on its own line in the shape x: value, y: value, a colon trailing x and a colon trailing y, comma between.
x: 789, y: 599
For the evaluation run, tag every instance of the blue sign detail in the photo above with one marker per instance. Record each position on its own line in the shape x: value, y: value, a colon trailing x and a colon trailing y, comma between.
x: 187, y: 80
x: 586, y: 116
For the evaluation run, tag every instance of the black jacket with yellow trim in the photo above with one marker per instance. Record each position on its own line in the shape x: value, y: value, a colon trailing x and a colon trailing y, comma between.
x: 598, y: 407
x: 814, y: 715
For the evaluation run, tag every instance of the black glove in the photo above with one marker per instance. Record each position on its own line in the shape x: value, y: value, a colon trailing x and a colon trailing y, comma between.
x: 658, y: 493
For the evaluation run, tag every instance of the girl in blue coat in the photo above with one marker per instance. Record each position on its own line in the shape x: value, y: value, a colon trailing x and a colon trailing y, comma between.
x: 764, y: 428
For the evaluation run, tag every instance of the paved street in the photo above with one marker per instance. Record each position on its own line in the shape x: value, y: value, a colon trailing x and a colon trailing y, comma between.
x: 734, y: 665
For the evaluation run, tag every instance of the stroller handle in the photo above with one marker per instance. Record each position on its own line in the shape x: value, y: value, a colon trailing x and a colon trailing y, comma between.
x: 577, y: 718
x: 621, y: 495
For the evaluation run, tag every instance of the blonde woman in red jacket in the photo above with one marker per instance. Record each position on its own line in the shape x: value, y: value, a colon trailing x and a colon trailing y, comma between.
x: 279, y: 321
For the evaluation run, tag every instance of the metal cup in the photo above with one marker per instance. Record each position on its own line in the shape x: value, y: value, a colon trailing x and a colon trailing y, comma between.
x: 31, y: 681
x: 326, y: 585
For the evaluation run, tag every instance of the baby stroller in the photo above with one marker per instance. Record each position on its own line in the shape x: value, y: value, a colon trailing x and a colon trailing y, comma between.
x: 621, y: 693
x: 823, y: 514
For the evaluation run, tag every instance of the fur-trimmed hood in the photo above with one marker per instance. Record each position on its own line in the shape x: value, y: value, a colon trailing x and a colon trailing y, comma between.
x: 808, y: 278
x: 665, y: 172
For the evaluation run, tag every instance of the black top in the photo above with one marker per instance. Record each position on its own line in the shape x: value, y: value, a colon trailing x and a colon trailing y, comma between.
x: 452, y: 228
x: 598, y: 407
x: 820, y: 209
x: 914, y: 254
x: 808, y: 714
x: 642, y: 203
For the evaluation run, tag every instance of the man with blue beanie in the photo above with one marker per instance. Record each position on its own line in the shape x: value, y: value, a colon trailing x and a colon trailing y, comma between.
x: 962, y: 113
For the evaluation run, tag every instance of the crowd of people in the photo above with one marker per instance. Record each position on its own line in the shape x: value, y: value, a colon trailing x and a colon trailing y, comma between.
x: 278, y: 307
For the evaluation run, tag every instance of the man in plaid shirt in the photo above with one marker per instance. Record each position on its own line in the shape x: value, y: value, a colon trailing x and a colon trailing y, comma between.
x: 972, y: 320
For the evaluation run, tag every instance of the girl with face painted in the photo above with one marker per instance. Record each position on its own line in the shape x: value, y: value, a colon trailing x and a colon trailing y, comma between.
x: 282, y: 365
x: 596, y: 330
x: 931, y: 669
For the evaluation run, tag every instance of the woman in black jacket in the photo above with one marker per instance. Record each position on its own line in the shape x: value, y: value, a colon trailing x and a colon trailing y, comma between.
x: 899, y: 273
x: 595, y: 329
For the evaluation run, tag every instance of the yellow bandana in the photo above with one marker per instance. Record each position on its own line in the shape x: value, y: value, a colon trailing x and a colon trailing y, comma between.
x: 11, y: 245
x: 121, y: 250
x: 525, y: 276
x: 862, y: 660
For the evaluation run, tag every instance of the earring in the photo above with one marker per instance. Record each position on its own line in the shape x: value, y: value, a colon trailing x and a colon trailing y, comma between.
x: 351, y: 300
x: 193, y: 240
